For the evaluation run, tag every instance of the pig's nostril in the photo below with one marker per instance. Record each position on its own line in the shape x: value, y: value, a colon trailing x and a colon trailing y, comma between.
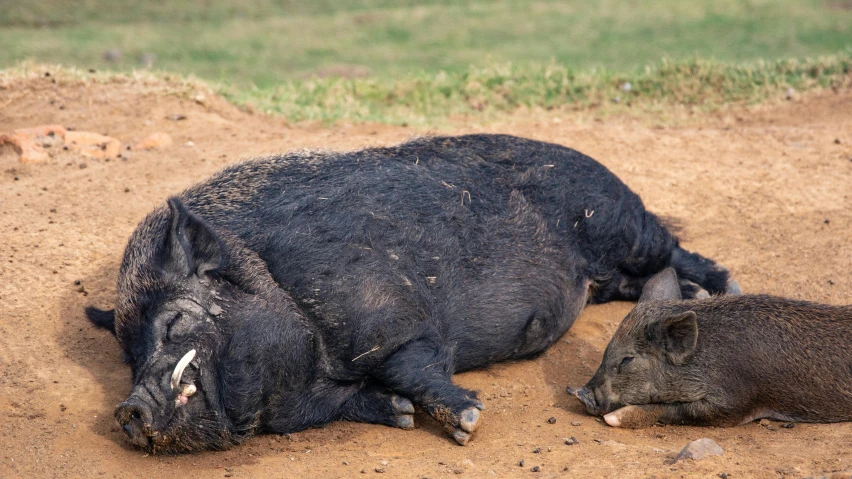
x: 128, y: 430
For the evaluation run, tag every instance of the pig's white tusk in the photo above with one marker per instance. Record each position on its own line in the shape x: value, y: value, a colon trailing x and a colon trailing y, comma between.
x: 181, y: 365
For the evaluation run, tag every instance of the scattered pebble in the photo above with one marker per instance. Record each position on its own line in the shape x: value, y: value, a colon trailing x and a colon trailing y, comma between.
x: 576, y: 423
x: 537, y: 450
x: 837, y: 141
x: 552, y: 420
x: 699, y: 449
x: 789, y: 425
x: 536, y: 469
x: 521, y: 463
x: 570, y: 441
x: 380, y: 470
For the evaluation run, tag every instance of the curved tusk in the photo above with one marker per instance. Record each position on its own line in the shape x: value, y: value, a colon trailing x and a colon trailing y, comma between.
x: 181, y: 365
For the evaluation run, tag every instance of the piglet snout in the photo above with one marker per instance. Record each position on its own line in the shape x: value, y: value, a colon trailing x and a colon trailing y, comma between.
x: 586, y: 397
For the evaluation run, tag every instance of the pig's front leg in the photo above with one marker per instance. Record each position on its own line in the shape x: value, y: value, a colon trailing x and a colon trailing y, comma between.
x: 646, y: 415
x: 421, y: 370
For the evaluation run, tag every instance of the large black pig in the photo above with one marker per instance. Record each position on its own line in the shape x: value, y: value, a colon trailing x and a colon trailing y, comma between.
x: 723, y: 361
x: 291, y: 291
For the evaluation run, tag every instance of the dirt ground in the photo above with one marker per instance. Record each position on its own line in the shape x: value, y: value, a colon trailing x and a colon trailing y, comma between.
x: 766, y: 191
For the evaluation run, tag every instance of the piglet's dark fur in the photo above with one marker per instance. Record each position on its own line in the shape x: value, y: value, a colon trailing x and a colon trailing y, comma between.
x: 290, y: 291
x: 724, y: 361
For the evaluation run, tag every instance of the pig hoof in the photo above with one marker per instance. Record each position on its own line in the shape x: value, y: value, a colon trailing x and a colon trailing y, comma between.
x: 733, y: 288
x: 402, y: 405
x: 632, y: 417
x: 612, y: 419
x: 404, y: 412
x: 461, y: 437
x: 469, y: 419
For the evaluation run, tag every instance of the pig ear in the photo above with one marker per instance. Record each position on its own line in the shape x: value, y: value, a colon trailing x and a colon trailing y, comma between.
x: 679, y: 336
x: 191, y: 246
x: 662, y: 287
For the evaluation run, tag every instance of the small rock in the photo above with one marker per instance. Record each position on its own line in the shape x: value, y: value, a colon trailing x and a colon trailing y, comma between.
x: 536, y: 469
x: 93, y: 145
x: 575, y: 423
x: 552, y: 420
x: 570, y: 441
x: 789, y: 425
x: 699, y: 449
x: 790, y: 93
x: 626, y: 86
x: 176, y: 117
x: 837, y: 141
x: 29, y: 142
x: 521, y: 463
x: 723, y: 475
x: 537, y: 450
x: 28, y: 150
x: 157, y: 140
x: 380, y: 470
x: 764, y: 422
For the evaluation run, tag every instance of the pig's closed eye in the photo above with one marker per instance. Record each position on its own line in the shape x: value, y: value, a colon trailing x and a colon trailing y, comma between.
x: 173, y: 332
x: 624, y: 362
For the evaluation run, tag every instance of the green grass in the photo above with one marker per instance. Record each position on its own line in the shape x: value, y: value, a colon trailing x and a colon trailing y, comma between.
x: 421, y: 98
x: 265, y: 42
x: 416, y: 59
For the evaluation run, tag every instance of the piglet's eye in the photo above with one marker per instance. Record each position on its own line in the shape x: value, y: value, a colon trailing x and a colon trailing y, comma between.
x: 624, y: 362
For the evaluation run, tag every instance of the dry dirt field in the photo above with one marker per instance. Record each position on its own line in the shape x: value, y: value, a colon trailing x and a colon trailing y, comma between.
x: 766, y: 191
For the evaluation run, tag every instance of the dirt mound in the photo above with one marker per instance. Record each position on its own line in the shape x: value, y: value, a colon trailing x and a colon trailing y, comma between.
x: 766, y: 191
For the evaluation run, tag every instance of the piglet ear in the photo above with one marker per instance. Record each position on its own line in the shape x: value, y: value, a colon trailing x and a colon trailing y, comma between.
x: 662, y: 287
x: 679, y: 336
x: 191, y: 246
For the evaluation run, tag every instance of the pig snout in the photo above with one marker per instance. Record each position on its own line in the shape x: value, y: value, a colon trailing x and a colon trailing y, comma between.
x: 135, y: 416
x: 587, y: 397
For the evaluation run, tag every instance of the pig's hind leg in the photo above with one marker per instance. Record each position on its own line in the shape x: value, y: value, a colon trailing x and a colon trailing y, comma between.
x: 422, y: 370
x: 376, y: 405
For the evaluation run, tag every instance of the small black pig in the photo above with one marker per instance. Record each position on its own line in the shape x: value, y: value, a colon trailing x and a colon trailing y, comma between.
x: 723, y: 361
x: 290, y: 291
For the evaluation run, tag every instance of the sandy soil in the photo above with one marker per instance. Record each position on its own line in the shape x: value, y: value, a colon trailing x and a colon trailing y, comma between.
x: 765, y: 191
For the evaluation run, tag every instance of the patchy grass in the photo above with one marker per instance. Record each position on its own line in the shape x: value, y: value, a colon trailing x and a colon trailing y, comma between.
x: 418, y: 62
x: 424, y: 98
